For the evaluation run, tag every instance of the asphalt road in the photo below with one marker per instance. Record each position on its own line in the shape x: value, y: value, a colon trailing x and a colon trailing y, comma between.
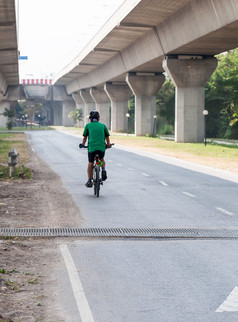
x: 145, y: 280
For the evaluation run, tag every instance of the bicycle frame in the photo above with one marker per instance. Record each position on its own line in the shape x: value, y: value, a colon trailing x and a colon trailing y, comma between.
x: 97, y: 164
x: 97, y: 180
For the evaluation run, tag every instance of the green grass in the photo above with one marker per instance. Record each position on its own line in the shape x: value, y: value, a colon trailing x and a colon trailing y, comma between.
x: 20, y: 172
x: 198, y: 149
x: 5, y: 146
x: 23, y: 128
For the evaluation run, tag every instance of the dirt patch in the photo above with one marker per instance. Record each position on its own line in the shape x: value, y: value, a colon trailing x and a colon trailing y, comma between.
x: 28, y: 286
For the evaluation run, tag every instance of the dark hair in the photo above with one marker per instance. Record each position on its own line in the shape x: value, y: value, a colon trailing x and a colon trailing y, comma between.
x: 94, y: 115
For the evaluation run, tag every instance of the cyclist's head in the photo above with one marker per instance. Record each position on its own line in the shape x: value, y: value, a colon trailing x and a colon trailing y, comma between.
x: 94, y: 116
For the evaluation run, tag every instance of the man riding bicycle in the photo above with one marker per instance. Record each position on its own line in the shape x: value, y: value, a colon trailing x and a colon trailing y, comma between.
x: 96, y: 133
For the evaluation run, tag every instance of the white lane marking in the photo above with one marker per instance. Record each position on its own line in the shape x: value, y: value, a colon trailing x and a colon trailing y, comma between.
x: 164, y: 183
x: 131, y: 169
x: 33, y: 150
x: 231, y: 302
x: 188, y: 194
x: 144, y: 174
x: 110, y: 160
x: 81, y: 300
x: 120, y: 165
x: 225, y: 211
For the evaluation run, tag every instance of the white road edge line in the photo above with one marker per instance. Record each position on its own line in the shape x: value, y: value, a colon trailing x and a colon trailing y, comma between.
x: 225, y: 211
x: 81, y: 300
x: 144, y: 174
x: 231, y: 302
x: 188, y: 194
x: 164, y: 183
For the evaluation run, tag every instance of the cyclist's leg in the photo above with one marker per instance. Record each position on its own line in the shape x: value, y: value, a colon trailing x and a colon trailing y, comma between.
x: 90, y: 170
x: 104, y: 172
x: 89, y: 183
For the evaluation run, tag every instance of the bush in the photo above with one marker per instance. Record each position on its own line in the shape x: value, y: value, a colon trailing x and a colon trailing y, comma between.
x: 9, y: 125
x: 166, y: 129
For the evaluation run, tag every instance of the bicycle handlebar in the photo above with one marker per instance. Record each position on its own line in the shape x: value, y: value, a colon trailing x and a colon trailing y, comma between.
x: 86, y: 146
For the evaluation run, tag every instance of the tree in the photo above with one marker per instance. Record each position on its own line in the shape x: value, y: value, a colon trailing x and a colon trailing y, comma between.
x: 131, y: 111
x: 9, y: 114
x: 222, y: 97
x: 76, y: 115
x: 165, y: 107
x: 30, y: 109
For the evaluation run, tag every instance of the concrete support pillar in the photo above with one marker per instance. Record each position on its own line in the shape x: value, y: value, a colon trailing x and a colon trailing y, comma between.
x: 145, y: 87
x: 89, y: 104
x: 79, y: 105
x: 3, y: 119
x: 119, y: 95
x: 67, y: 107
x: 102, y: 104
x: 57, y: 106
x: 190, y: 76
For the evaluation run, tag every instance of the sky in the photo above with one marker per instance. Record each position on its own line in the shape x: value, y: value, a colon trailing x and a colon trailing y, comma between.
x: 53, y: 32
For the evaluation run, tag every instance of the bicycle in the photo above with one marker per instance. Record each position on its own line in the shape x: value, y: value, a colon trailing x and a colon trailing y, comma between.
x: 97, y: 173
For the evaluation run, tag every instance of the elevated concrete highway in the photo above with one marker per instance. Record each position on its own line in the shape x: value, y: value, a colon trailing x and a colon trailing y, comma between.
x: 138, y: 43
x: 9, y: 75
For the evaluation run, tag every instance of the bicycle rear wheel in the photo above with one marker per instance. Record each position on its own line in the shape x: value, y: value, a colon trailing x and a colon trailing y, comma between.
x: 97, y: 181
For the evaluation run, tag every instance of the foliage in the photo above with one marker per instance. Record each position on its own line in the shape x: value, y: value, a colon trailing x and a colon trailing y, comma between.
x: 9, y: 125
x: 9, y: 114
x: 31, y: 109
x: 131, y: 111
x: 165, y: 108
x: 222, y: 97
x: 76, y: 115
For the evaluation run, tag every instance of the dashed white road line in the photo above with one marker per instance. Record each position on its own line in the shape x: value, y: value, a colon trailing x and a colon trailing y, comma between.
x: 231, y: 302
x: 81, y: 300
x: 144, y: 174
x: 164, y: 184
x: 119, y: 164
x: 131, y: 169
x: 188, y: 194
x: 225, y: 211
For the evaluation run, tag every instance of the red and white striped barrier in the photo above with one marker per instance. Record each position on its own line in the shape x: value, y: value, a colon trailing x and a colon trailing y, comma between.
x: 36, y: 81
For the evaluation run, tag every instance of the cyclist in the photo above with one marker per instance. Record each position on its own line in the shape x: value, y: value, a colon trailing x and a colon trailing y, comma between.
x: 96, y: 133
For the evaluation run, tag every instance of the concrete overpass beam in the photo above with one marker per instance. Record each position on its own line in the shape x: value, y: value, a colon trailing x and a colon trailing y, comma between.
x: 190, y: 76
x: 89, y: 104
x: 102, y: 104
x: 145, y: 87
x: 119, y: 95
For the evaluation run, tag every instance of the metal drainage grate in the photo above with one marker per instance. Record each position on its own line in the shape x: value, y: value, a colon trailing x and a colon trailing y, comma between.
x: 121, y: 232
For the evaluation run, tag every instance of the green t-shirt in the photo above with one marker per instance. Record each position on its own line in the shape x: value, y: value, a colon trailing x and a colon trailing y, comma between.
x: 96, y: 133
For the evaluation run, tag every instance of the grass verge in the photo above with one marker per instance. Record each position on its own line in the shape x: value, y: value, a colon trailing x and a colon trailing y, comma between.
x: 16, y: 141
x: 28, y: 128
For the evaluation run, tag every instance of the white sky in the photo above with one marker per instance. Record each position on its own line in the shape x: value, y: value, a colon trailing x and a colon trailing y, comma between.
x: 53, y: 32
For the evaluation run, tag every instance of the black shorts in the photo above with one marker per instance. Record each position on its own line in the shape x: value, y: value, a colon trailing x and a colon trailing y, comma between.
x: 91, y: 155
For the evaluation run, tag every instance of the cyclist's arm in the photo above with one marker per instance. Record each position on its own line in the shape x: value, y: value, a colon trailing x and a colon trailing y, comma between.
x: 107, y: 138
x: 84, y: 140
